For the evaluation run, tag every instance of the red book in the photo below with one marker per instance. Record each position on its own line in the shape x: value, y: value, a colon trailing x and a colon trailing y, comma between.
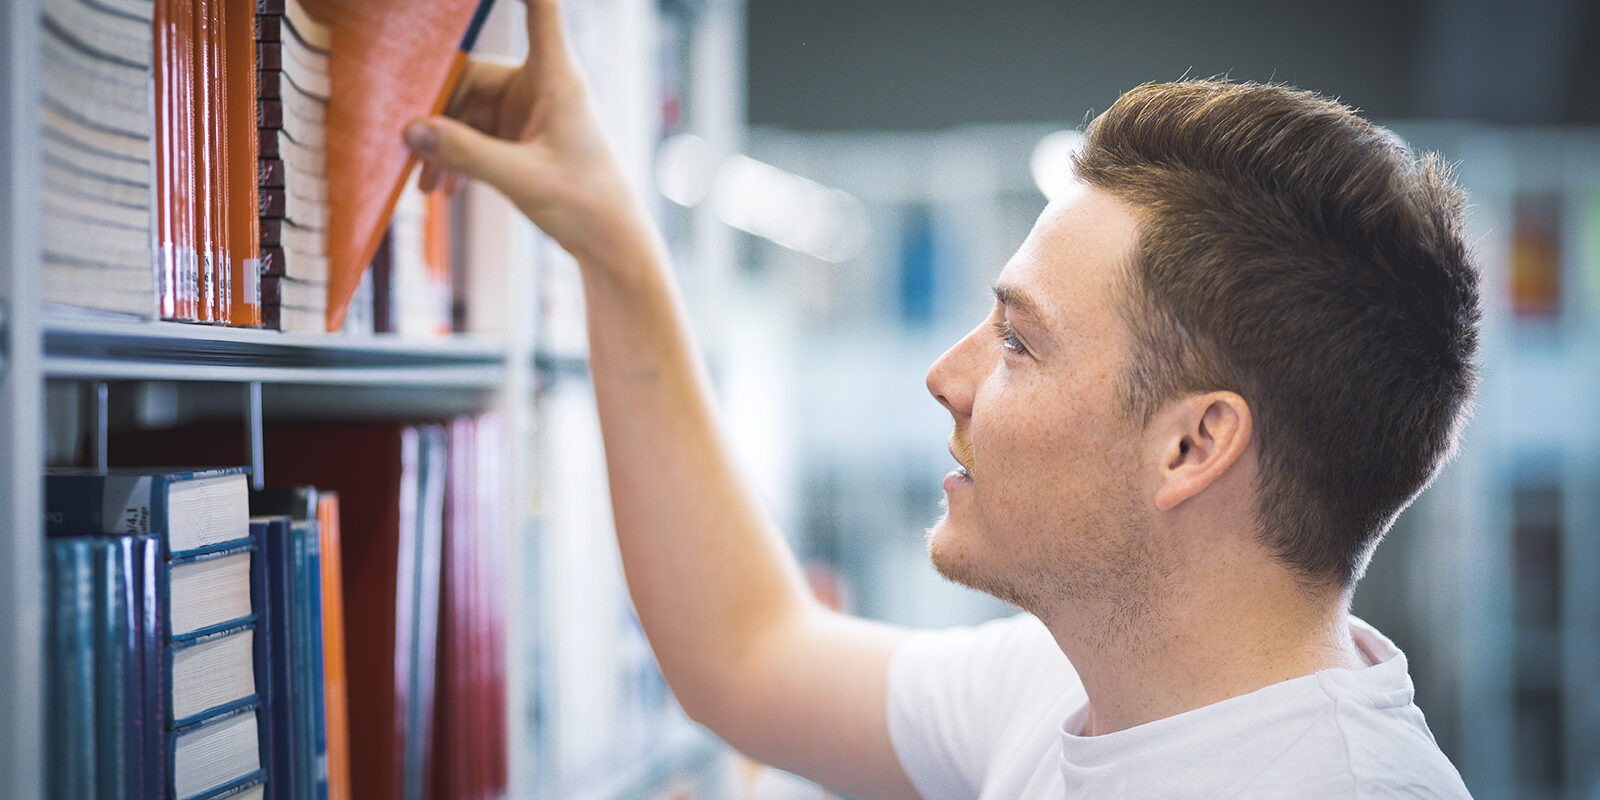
x: 395, y: 60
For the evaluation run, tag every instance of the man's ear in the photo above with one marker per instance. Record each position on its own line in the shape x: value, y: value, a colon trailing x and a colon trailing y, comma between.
x: 1198, y: 438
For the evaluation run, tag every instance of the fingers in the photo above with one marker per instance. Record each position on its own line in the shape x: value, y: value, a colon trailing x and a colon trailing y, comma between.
x: 547, y: 37
x: 448, y: 146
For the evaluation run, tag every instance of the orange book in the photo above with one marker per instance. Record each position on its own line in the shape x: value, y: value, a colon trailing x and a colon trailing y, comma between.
x: 244, y: 147
x: 217, y: 85
x: 394, y: 60
x: 178, y: 34
x: 437, y: 219
x: 335, y: 698
x: 203, y: 168
x: 166, y: 188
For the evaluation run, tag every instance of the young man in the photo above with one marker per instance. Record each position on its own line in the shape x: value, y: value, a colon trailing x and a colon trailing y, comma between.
x: 1212, y: 376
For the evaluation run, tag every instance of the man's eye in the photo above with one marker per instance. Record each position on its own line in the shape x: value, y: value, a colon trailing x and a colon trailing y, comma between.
x: 1008, y: 337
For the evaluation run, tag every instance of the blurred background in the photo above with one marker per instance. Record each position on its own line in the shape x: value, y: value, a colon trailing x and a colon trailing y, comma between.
x: 843, y: 180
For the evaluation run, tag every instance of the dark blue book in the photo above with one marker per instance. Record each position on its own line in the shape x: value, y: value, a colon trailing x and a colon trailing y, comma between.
x: 305, y: 695
x: 283, y: 765
x: 316, y: 672
x: 190, y: 510
x: 148, y: 568
x: 260, y: 599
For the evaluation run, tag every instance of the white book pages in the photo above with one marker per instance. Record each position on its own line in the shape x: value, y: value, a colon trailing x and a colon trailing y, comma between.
x: 207, y: 511
x: 216, y: 754
x: 97, y: 162
x: 116, y: 36
x: 213, y: 673
x: 208, y: 592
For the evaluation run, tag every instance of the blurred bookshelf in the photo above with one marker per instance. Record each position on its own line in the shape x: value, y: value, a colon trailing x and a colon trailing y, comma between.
x: 1493, y: 574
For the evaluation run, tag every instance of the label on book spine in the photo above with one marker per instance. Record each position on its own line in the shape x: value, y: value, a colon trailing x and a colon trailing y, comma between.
x: 126, y: 506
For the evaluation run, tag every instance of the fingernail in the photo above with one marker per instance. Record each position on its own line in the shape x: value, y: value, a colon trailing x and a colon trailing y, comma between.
x: 421, y: 138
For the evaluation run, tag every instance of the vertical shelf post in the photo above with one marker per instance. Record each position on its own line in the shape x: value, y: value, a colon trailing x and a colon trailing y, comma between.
x: 21, y: 406
x: 253, y: 438
x: 100, y: 407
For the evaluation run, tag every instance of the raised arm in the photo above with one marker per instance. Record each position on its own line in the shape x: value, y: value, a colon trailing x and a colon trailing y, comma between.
x: 746, y: 648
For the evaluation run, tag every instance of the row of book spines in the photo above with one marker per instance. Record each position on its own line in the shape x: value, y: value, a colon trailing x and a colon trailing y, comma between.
x: 208, y: 229
x: 111, y: 732
x: 96, y: 649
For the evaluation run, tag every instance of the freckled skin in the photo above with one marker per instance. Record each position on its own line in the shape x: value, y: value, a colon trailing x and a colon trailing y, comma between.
x: 1054, y: 513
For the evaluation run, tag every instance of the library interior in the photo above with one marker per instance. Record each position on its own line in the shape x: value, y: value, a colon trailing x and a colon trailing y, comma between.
x: 319, y: 454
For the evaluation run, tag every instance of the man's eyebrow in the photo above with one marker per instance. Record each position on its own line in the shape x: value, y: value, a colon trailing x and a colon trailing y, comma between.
x: 1015, y: 298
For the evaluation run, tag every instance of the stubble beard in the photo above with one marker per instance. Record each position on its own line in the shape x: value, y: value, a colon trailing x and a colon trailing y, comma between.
x: 1102, y: 566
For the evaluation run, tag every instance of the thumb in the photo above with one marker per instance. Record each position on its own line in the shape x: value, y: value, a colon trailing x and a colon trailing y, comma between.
x: 453, y: 146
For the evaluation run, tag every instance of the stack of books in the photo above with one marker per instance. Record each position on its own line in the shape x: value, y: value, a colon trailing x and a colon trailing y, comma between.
x: 97, y: 134
x: 294, y: 93
x: 152, y: 651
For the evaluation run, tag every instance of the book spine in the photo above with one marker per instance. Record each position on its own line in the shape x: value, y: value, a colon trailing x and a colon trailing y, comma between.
x: 167, y: 244
x: 112, y: 678
x: 336, y: 706
x: 80, y: 762
x: 153, y: 659
x: 205, y: 158
x: 244, y: 155
x: 304, y: 711
x: 187, y: 205
x: 318, y: 668
x: 285, y: 765
x: 221, y: 166
x: 262, y: 657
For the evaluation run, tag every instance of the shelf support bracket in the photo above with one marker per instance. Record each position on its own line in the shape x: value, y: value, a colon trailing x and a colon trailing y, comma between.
x: 253, y: 439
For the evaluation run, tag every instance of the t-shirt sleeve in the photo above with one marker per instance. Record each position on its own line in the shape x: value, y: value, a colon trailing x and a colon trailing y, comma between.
x: 950, y: 692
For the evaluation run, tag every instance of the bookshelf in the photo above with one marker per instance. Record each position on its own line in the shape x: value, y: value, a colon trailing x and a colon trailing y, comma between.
x: 1488, y: 580
x: 207, y: 372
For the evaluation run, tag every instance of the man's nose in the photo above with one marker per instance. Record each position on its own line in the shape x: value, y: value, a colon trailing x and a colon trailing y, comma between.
x: 953, y: 378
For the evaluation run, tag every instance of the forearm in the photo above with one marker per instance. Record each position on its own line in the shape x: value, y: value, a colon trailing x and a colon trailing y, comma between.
x: 711, y: 576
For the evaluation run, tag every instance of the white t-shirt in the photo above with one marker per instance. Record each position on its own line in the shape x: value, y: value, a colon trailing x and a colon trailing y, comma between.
x: 994, y: 712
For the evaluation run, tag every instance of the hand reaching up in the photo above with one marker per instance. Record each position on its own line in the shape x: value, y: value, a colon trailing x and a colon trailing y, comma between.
x: 530, y: 131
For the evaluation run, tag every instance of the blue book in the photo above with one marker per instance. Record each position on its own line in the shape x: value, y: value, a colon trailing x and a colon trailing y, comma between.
x: 148, y: 568
x: 260, y: 599
x: 189, y: 510
x: 117, y: 729
x: 315, y: 672
x: 305, y: 696
x: 69, y: 675
x: 283, y: 765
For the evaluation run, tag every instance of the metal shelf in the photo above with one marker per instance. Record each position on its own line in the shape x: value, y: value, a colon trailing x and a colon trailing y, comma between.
x: 105, y: 349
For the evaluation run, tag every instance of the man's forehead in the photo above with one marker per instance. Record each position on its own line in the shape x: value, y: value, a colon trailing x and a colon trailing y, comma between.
x: 1073, y: 255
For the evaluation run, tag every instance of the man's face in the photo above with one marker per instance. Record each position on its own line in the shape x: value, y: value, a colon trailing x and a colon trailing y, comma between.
x: 1048, y: 507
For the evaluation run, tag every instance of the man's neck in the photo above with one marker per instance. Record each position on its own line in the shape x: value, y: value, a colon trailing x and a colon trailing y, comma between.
x: 1191, y: 649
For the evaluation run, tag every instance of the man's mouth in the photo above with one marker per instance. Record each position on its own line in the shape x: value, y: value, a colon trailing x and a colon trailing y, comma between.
x: 961, y: 451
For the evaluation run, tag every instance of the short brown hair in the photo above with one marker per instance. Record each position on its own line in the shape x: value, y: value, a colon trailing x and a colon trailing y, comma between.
x: 1303, y: 257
